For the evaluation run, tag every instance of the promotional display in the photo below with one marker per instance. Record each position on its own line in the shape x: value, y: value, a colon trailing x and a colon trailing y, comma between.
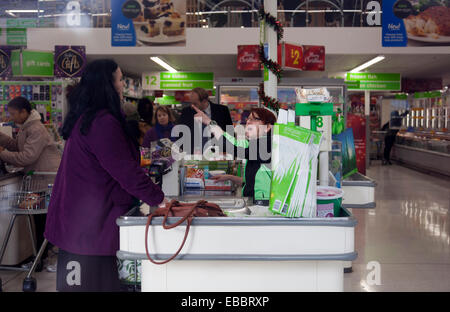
x: 294, y: 167
x: 69, y: 61
x: 5, y: 61
x: 358, y: 124
x: 349, y: 166
x: 415, y: 23
x: 300, y: 57
x: 142, y: 22
x: 177, y: 81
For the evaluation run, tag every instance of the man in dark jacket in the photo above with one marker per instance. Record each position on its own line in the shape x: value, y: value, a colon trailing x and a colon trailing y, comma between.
x: 218, y: 113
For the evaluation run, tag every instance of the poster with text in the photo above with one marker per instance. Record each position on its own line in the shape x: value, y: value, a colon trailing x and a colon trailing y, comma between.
x: 416, y: 23
x: 5, y: 61
x: 348, y: 152
x: 148, y: 23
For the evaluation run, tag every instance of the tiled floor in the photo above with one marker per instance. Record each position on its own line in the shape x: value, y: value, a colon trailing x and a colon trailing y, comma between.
x: 408, y: 234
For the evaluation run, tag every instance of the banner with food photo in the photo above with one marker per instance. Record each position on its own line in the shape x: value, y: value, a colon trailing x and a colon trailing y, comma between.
x: 148, y: 22
x: 416, y: 23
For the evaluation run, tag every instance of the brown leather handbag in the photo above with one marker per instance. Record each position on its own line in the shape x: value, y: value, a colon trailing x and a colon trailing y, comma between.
x: 187, y: 212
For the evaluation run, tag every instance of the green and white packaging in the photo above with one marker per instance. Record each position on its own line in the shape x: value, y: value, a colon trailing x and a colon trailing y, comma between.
x: 294, y: 167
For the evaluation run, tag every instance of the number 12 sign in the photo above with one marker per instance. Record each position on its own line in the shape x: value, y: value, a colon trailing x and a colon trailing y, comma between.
x: 293, y: 56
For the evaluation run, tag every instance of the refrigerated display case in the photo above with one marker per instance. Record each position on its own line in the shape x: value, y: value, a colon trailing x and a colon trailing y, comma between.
x: 427, y: 150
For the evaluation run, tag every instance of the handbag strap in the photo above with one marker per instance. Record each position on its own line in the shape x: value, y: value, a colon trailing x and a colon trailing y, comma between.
x: 187, y: 217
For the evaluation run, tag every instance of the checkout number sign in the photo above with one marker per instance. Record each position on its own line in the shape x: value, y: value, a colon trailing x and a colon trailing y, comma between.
x: 293, y: 56
x: 151, y: 81
x: 323, y: 126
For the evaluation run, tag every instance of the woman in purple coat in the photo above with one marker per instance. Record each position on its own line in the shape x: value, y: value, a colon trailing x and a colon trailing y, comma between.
x: 99, y: 179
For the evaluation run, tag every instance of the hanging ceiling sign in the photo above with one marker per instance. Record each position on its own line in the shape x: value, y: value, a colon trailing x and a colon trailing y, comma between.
x: 69, y: 61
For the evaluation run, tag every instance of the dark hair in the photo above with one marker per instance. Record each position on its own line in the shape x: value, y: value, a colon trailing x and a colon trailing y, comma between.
x: 19, y: 103
x: 266, y: 116
x: 145, y: 110
x: 167, y: 111
x: 93, y: 93
x: 202, y: 94
x: 134, y: 128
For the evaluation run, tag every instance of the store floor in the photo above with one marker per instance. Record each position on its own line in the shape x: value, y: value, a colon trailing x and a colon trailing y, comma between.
x: 408, y: 234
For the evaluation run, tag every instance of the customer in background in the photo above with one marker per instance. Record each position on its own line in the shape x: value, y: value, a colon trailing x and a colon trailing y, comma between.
x: 33, y: 149
x: 219, y: 114
x: 258, y: 137
x: 392, y: 127
x: 145, y: 109
x: 164, y: 122
x: 98, y: 181
x: 137, y: 125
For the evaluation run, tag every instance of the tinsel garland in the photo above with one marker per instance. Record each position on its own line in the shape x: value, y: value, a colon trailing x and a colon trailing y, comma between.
x: 272, y: 22
x: 268, y: 101
x: 274, y: 67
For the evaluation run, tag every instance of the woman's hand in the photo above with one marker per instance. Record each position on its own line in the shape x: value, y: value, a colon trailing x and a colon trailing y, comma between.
x: 164, y: 202
x: 201, y: 115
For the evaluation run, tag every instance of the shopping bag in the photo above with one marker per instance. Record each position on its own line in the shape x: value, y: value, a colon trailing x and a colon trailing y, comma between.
x: 294, y: 165
x: 187, y: 211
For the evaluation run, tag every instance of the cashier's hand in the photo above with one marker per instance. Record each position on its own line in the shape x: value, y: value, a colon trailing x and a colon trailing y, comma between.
x: 201, y: 115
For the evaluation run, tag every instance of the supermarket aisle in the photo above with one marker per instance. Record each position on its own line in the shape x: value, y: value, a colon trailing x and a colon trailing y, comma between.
x: 408, y: 233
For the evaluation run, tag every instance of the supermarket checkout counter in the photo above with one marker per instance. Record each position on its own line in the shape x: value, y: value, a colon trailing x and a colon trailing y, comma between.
x: 246, y: 251
x: 359, y: 191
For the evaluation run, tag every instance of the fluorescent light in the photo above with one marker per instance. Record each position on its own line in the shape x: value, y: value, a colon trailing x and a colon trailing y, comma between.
x: 23, y: 11
x: 163, y: 64
x: 367, y: 64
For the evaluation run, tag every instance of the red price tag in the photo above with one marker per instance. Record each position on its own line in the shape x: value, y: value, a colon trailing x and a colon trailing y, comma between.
x: 293, y: 56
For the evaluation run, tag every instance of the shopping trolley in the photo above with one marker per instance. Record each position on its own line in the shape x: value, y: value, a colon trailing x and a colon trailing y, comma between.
x: 31, y: 198
x: 377, y: 145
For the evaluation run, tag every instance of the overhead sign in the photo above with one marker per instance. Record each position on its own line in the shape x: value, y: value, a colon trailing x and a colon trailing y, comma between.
x: 373, y: 81
x: 177, y: 81
x: 28, y: 63
x: 69, y: 61
x: 300, y: 57
x: 432, y: 94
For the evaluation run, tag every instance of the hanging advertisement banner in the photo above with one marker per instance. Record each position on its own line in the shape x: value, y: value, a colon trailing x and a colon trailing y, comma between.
x: 148, y: 23
x: 358, y: 124
x: 69, y: 61
x: 290, y: 56
x: 5, y: 61
x: 415, y: 23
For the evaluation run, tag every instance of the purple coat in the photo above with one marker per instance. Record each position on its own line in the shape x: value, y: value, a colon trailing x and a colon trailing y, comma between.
x: 98, y: 177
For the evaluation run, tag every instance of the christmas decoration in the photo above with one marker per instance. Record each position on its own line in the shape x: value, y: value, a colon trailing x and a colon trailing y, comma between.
x: 274, y: 67
x: 268, y: 101
x: 272, y: 22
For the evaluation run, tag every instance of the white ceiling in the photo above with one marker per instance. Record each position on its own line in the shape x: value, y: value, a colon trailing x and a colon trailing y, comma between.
x: 410, y: 66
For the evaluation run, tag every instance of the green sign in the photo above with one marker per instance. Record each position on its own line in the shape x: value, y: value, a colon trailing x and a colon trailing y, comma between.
x: 177, y: 81
x: 373, y: 81
x: 16, y: 36
x: 401, y: 96
x: 167, y: 100
x: 21, y: 23
x: 32, y: 63
x: 183, y: 85
x: 187, y: 76
x: 427, y: 95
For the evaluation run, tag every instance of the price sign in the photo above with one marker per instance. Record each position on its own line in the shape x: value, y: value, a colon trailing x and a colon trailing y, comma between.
x: 293, y: 56
x: 151, y: 81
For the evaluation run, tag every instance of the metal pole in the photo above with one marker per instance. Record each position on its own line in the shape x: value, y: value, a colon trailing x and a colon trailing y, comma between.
x: 367, y: 115
x: 270, y: 86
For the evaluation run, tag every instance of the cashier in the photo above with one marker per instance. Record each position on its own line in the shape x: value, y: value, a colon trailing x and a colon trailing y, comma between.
x: 256, y: 149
